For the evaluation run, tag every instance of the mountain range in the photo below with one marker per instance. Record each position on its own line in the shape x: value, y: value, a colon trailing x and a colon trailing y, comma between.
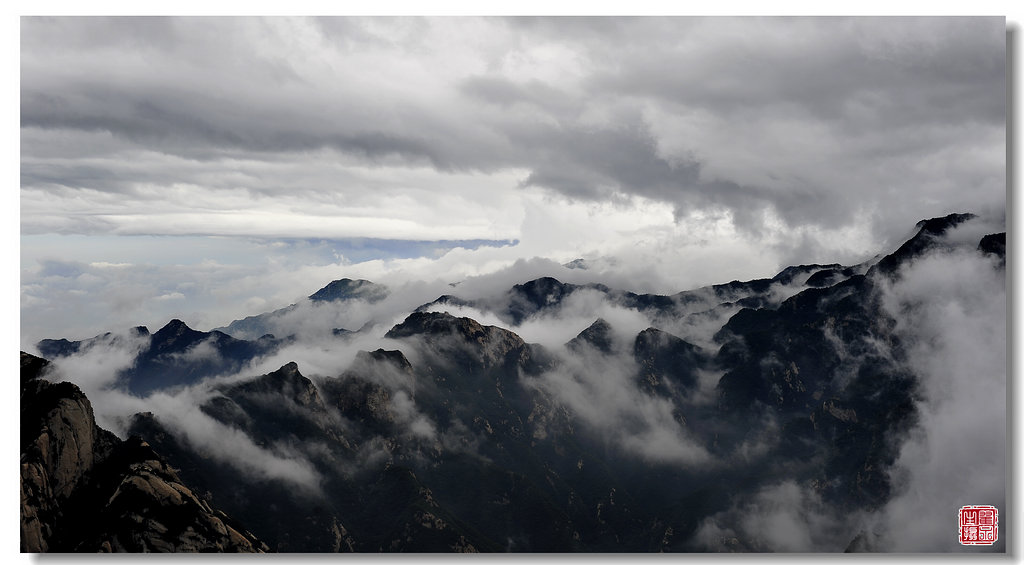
x: 445, y: 434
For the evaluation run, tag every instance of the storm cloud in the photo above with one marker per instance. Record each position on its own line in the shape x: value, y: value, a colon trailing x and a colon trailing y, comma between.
x: 690, y: 150
x: 819, y: 121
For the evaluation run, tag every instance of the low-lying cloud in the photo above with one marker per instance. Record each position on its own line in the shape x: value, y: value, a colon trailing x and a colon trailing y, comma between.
x: 783, y: 517
x: 950, y: 309
x: 601, y: 391
x: 182, y: 415
x: 95, y: 369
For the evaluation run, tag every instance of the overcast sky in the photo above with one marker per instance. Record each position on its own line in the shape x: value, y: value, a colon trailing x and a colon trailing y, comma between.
x: 214, y: 168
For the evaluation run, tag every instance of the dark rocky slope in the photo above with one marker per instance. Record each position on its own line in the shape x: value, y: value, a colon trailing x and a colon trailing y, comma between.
x: 84, y: 490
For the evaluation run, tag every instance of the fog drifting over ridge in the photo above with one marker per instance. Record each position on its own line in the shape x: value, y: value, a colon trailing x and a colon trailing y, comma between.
x: 949, y: 306
x: 230, y: 278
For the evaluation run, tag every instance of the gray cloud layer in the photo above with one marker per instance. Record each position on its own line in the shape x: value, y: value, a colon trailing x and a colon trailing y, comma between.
x: 823, y: 121
x: 683, y: 151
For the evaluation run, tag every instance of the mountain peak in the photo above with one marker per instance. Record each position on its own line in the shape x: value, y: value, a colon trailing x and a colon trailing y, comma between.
x: 175, y: 335
x: 924, y: 239
x: 938, y: 226
x: 175, y: 327
x: 287, y: 382
x: 32, y: 367
x: 434, y: 323
x: 542, y: 285
x: 348, y: 289
x: 994, y: 243
x: 445, y: 334
x: 597, y: 335
x: 394, y: 358
x: 664, y: 357
x: 529, y: 297
x: 792, y: 273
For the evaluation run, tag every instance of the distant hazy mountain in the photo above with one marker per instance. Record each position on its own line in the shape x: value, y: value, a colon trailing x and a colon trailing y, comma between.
x: 175, y: 355
x: 342, y: 290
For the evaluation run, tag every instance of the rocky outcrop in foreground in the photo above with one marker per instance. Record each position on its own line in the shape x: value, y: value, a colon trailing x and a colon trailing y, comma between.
x: 83, y: 489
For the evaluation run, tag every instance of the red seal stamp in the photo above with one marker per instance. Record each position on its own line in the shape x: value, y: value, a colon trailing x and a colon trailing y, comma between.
x: 979, y: 525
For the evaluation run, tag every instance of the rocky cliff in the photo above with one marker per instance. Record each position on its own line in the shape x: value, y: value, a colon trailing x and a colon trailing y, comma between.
x: 83, y: 489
